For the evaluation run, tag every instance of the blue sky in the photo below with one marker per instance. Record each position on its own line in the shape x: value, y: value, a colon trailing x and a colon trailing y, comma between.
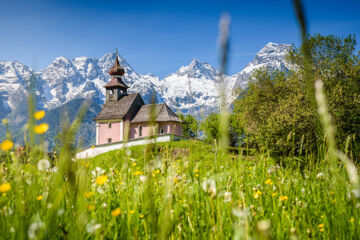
x: 159, y: 36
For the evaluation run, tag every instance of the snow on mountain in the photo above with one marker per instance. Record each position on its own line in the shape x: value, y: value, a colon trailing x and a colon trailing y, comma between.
x: 271, y: 56
x: 192, y: 89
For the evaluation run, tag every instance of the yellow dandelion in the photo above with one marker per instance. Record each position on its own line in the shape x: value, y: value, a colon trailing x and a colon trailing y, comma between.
x: 196, y: 170
x: 137, y: 173
x: 5, y: 187
x: 7, y: 145
x: 141, y: 215
x: 132, y: 211
x: 90, y: 207
x: 196, y: 175
x: 121, y: 183
x: 322, y: 229
x: 116, y: 212
x: 39, y: 114
x: 41, y: 128
x: 257, y: 194
x: 269, y: 182
x: 134, y: 164
x: 92, y: 147
x: 321, y: 225
x: 5, y: 121
x: 101, y: 180
x: 157, y: 171
x: 176, y: 179
x: 274, y: 194
x: 283, y: 198
x: 39, y: 197
x: 88, y: 194
x: 87, y: 164
x: 4, y: 194
x: 352, y: 219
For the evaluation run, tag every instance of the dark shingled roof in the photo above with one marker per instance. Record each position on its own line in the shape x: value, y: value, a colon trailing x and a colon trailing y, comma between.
x: 162, y: 112
x: 116, y: 82
x: 118, y: 109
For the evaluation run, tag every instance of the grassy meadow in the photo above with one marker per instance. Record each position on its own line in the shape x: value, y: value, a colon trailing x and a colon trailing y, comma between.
x: 198, y: 189
x: 176, y: 190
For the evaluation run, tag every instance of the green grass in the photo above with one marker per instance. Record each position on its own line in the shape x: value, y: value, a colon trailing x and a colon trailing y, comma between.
x: 159, y: 191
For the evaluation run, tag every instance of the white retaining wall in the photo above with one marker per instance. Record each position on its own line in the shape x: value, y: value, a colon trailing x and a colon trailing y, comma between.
x: 92, y: 152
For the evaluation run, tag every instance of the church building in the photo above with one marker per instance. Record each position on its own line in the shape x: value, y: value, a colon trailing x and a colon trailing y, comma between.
x: 125, y: 116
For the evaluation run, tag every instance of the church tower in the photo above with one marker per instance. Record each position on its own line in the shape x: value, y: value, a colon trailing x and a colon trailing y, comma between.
x: 116, y: 88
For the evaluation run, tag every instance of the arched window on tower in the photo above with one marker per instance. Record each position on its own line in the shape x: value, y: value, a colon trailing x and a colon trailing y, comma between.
x: 140, y: 131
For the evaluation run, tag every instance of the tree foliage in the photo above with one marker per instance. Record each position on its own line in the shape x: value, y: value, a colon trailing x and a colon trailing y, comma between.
x: 190, y: 125
x: 278, y: 109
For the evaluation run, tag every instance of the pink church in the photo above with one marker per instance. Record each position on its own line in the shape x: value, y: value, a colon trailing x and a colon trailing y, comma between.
x: 125, y: 116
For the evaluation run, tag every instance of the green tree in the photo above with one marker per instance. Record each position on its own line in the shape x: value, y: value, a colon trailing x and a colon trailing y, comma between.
x: 277, y: 110
x: 190, y: 125
x: 211, y: 128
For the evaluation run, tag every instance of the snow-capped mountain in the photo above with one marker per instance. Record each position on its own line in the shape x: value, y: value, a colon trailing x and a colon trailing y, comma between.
x: 193, y: 89
x: 85, y: 78
x: 271, y: 56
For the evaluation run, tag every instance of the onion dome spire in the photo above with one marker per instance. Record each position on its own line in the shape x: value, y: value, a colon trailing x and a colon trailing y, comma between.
x: 116, y: 70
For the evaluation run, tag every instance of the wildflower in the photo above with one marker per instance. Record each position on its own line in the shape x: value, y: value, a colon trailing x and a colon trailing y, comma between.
x: 88, y: 194
x: 5, y: 121
x: 7, y: 145
x: 5, y: 187
x: 156, y: 171
x: 143, y: 178
x: 60, y: 212
x: 241, y: 213
x: 116, y: 212
x: 34, y: 229
x: 141, y: 215
x: 41, y: 128
x: 227, y: 197
x: 39, y: 114
x: 257, y: 194
x: 196, y: 170
x: 352, y: 219
x: 92, y: 227
x: 101, y: 180
x: 134, y: 164
x: 92, y: 147
x: 321, y: 229
x: 90, y: 207
x: 209, y: 186
x: 39, y: 197
x: 87, y: 164
x: 274, y: 194
x: 321, y: 225
x: 43, y: 164
x: 320, y: 175
x: 269, y: 182
x: 137, y: 173
x: 196, y: 175
x: 264, y: 225
x: 283, y: 198
x: 132, y: 211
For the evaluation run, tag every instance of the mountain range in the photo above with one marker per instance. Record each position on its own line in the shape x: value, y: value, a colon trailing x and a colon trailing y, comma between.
x: 65, y: 83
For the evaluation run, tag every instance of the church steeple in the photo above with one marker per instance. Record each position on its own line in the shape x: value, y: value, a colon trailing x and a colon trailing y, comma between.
x: 116, y: 88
